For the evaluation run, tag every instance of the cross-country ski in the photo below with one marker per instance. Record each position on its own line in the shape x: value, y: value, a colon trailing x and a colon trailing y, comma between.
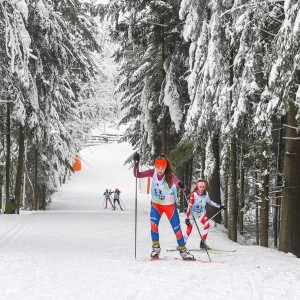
x: 202, y: 250
x: 181, y: 259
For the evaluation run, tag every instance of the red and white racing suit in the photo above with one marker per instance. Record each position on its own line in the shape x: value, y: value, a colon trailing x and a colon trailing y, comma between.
x: 196, y: 208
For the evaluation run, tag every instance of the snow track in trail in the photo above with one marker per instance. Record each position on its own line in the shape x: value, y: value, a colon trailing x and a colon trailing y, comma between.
x: 18, y: 227
x: 78, y: 250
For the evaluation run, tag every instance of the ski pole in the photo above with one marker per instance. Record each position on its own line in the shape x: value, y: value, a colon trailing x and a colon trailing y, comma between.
x: 196, y: 226
x: 215, y: 215
x: 200, y: 236
x: 123, y: 204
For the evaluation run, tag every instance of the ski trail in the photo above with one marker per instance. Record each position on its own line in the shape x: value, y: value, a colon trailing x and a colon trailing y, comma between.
x: 78, y: 250
x: 13, y: 233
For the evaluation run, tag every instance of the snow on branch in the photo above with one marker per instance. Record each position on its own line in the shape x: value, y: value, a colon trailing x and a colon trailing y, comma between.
x: 17, y: 38
x: 291, y: 138
x: 153, y: 23
x: 246, y: 5
x: 172, y: 95
x: 292, y: 127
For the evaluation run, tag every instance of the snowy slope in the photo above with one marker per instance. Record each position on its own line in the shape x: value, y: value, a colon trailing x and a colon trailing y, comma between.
x: 78, y: 250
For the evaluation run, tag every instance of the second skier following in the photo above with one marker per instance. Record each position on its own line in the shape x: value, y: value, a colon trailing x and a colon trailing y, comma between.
x: 197, y: 211
x: 163, y: 200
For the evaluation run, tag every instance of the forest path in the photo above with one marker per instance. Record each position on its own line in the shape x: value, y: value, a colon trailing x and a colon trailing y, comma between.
x: 79, y: 250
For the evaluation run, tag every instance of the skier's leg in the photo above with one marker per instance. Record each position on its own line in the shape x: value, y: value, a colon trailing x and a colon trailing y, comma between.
x: 155, y: 215
x: 204, y: 220
x: 189, y: 229
x: 173, y: 217
x: 120, y: 204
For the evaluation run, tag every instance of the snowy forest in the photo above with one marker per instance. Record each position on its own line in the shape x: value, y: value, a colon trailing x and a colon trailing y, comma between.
x: 215, y: 85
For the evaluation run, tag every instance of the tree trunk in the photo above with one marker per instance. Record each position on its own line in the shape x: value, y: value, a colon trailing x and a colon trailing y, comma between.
x: 1, y: 185
x: 191, y: 172
x: 164, y: 142
x: 226, y: 201
x: 65, y: 175
x: 264, y: 208
x: 290, y: 221
x: 19, y: 175
x: 7, y: 167
x: 276, y: 218
x: 256, y: 208
x: 2, y: 129
x: 182, y: 203
x: 35, y: 199
x: 164, y: 135
x: 257, y: 226
x: 214, y: 182
x: 242, y: 188
x: 233, y: 199
x: 43, y: 197
x: 232, y: 224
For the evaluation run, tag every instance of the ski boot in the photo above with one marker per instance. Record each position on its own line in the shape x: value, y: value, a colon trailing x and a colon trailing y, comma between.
x: 203, y: 245
x: 186, y: 255
x: 178, y: 248
x: 155, y: 251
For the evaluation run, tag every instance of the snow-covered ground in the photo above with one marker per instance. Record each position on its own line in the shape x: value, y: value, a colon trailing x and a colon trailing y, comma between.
x: 79, y: 250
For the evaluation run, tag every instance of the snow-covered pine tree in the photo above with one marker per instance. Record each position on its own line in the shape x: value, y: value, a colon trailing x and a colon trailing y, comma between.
x: 205, y: 30
x: 47, y: 89
x: 236, y: 35
x: 284, y: 82
x: 152, y: 58
x: 63, y: 36
x: 14, y: 80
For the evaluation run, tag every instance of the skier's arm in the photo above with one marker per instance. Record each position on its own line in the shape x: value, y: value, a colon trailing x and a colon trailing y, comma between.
x: 191, y: 202
x: 138, y: 174
x: 178, y: 183
x: 212, y: 203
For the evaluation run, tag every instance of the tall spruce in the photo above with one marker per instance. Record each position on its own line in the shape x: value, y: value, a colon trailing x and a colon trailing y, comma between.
x: 152, y: 57
x: 284, y: 82
x: 47, y: 66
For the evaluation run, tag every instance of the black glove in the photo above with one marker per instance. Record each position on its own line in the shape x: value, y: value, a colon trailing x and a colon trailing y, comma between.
x: 136, y: 157
x: 181, y: 185
x: 187, y: 221
x: 222, y: 206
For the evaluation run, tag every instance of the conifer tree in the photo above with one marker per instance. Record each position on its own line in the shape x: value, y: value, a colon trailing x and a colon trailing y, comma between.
x: 152, y: 56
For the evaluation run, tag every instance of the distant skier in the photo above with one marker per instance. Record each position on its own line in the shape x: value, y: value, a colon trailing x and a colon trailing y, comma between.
x: 117, y: 198
x: 107, y: 197
x: 196, y: 207
x: 163, y: 200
